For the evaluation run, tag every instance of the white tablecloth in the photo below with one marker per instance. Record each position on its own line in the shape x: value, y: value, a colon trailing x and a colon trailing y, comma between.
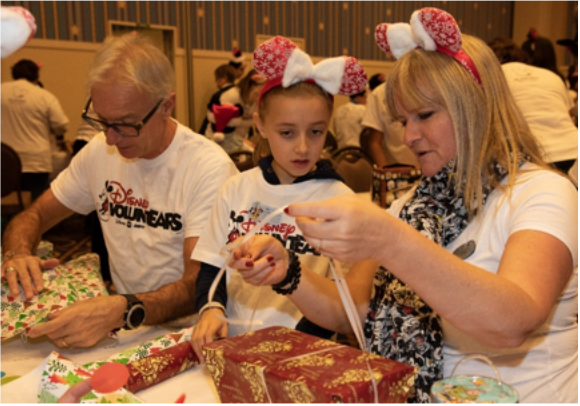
x: 26, y: 359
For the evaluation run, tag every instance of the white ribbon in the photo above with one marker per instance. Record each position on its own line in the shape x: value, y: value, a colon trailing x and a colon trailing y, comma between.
x: 327, y: 74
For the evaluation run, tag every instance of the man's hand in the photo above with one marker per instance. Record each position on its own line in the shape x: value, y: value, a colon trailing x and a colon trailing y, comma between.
x: 207, y: 329
x: 28, y: 270
x: 85, y: 323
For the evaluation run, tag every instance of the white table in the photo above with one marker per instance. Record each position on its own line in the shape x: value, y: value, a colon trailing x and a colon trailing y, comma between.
x: 25, y: 359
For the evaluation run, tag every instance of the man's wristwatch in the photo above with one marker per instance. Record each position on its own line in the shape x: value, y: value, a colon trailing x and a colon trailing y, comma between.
x: 135, y: 313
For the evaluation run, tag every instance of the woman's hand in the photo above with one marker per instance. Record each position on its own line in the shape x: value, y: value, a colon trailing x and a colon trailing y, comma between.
x: 262, y: 260
x: 346, y: 227
x: 76, y: 392
x: 209, y: 327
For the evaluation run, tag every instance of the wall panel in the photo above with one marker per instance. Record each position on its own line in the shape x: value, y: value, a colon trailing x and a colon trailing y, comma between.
x: 329, y: 27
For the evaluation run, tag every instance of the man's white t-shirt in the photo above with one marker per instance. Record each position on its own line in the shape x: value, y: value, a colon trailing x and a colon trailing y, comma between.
x: 147, y: 207
x: 377, y: 116
x: 544, y: 101
x: 243, y: 201
x: 546, y: 364
x: 29, y: 113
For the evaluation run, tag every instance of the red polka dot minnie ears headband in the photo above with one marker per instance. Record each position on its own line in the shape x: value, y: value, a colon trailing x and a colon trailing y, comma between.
x: 432, y: 30
x: 284, y: 64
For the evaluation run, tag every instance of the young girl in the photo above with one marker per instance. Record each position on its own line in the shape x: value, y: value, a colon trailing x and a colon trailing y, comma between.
x: 293, y: 115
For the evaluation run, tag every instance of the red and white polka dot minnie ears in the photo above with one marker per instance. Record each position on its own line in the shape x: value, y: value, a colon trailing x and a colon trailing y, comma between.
x: 283, y: 63
x: 431, y: 29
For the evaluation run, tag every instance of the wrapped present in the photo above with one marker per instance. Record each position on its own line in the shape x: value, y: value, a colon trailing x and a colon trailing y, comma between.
x: 281, y: 365
x: 68, y: 283
x: 60, y: 373
x: 160, y: 366
x: 154, y: 361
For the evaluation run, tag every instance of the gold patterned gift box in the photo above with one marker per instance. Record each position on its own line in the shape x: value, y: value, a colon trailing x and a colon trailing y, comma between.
x: 279, y: 365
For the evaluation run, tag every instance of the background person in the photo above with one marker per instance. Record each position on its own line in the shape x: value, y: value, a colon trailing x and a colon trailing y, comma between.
x: 30, y: 117
x: 235, y: 128
x: 348, y: 120
x: 152, y: 181
x: 384, y: 138
x: 543, y: 99
x: 238, y: 63
x: 500, y: 280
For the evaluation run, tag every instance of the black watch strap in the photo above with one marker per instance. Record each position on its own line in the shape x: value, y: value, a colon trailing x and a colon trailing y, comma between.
x: 135, y: 313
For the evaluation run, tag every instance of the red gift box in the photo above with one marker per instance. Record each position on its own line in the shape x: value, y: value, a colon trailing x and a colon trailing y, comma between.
x: 281, y: 365
x: 158, y: 367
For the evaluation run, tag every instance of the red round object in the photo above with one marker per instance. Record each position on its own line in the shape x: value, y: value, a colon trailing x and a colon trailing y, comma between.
x: 110, y: 377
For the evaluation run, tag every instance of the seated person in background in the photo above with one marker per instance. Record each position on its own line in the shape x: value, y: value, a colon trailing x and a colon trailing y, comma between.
x: 481, y: 257
x: 224, y: 76
x: 230, y: 115
x: 543, y: 99
x: 152, y: 181
x: 376, y: 80
x: 348, y: 120
x: 238, y: 62
x: 293, y: 118
x: 540, y: 52
x: 382, y: 137
x: 30, y: 115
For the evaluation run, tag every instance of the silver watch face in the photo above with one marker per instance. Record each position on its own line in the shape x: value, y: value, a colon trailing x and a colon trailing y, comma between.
x: 136, y: 316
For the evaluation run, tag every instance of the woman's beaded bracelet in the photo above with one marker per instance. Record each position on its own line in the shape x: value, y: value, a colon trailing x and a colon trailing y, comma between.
x: 292, y: 276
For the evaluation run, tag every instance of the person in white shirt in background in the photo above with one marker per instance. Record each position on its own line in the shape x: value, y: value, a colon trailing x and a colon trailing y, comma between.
x: 348, y: 120
x: 31, y: 115
x: 543, y: 99
x: 385, y: 137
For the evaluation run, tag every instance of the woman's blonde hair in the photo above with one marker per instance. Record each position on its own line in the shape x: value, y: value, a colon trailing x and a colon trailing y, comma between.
x: 489, y: 127
x: 132, y: 60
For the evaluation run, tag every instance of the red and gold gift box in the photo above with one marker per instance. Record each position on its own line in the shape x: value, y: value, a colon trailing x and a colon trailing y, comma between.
x: 280, y: 365
x: 158, y: 367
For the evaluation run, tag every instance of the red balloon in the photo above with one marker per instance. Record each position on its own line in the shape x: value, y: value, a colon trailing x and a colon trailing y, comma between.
x: 110, y: 377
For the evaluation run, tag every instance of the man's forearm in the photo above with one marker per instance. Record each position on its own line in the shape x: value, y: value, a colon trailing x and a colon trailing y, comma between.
x: 169, y: 302
x: 22, y: 234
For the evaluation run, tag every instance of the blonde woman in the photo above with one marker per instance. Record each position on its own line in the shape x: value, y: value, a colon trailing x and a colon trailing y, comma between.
x: 485, y: 257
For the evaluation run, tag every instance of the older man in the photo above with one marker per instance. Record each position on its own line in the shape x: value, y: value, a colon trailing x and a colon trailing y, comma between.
x: 152, y: 182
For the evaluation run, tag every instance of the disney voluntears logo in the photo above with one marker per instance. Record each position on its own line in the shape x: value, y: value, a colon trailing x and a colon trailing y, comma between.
x: 134, y: 212
x: 241, y: 223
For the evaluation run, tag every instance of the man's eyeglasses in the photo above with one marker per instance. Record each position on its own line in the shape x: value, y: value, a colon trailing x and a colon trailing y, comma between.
x: 126, y: 130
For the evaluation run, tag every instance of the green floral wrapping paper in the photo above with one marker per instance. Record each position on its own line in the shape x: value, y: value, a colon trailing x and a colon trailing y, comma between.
x: 68, y: 283
x: 60, y: 373
x: 145, y: 349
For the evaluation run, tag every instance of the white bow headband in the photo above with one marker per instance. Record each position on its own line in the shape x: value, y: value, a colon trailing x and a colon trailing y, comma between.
x: 283, y: 63
x: 431, y: 29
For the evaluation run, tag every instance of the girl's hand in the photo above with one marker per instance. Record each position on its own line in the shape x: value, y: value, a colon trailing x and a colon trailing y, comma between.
x: 347, y: 228
x: 208, y: 328
x: 262, y: 260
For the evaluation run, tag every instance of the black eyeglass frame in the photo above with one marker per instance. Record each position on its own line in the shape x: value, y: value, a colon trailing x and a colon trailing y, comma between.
x: 137, y: 126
